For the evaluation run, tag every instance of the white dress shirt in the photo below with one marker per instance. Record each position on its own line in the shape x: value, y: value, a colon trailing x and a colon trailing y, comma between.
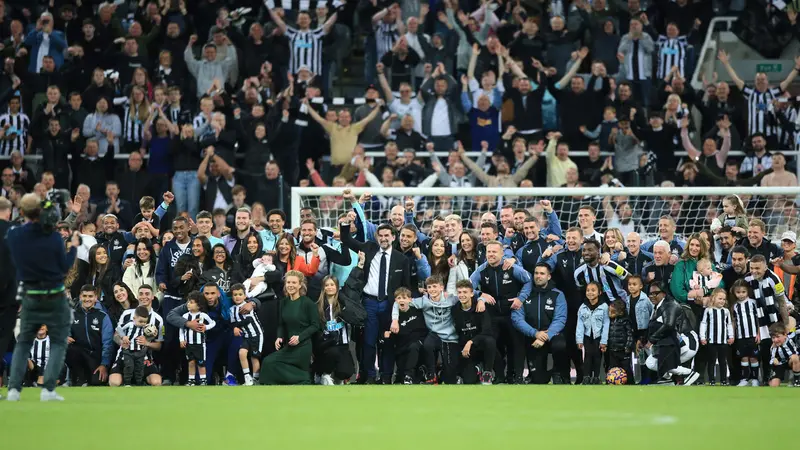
x: 374, y: 273
x: 440, y: 121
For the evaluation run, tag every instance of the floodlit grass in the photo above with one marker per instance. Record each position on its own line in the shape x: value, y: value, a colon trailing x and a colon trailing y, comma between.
x: 403, y: 417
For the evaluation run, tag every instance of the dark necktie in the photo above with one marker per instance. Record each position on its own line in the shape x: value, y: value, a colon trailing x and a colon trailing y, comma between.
x: 382, y: 279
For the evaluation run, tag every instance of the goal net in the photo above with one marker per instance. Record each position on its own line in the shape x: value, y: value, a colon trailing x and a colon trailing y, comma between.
x: 629, y: 209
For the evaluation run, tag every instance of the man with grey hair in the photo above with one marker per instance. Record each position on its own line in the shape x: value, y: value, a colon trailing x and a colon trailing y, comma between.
x: 42, y: 291
x: 43, y: 41
x: 659, y: 270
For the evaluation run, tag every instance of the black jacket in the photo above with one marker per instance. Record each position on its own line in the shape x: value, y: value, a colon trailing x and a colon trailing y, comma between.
x: 399, y: 266
x: 185, y: 155
x: 92, y: 172
x: 7, y: 272
x: 620, y: 334
x: 662, y: 274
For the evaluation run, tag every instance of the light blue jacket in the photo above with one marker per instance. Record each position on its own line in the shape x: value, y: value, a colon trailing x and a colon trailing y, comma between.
x: 644, y: 309
x: 592, y: 323
x: 438, y: 317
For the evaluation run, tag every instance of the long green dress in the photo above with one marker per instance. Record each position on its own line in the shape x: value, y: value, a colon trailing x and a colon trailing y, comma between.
x: 291, y: 364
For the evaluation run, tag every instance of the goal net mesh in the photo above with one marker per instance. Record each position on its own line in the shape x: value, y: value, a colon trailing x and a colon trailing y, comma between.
x: 630, y: 209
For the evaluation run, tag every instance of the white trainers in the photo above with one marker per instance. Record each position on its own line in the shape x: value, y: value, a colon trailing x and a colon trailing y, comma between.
x: 754, y: 383
x: 744, y: 383
x: 51, y: 396
x: 248, y: 380
x: 12, y: 395
x: 326, y: 380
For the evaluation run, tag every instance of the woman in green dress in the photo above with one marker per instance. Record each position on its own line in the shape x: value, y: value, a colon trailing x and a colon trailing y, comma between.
x: 291, y: 363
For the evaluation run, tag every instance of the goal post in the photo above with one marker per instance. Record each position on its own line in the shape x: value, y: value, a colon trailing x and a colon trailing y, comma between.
x: 693, y: 208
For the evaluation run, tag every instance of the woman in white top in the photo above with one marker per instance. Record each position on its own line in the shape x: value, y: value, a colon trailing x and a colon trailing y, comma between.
x: 143, y: 271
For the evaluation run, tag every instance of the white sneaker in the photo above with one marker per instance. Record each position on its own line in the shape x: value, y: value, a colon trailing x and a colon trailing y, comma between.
x: 691, y: 378
x: 13, y: 395
x: 248, y: 380
x: 317, y: 379
x: 51, y: 396
x: 744, y: 383
x: 755, y: 383
x: 326, y: 380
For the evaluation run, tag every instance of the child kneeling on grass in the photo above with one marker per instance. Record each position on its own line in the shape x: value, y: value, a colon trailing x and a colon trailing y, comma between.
x: 783, y: 355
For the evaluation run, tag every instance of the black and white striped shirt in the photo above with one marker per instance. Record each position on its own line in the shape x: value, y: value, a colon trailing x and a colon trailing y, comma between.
x: 753, y: 164
x: 609, y: 276
x: 759, y: 107
x: 192, y: 337
x: 199, y: 124
x: 132, y: 332
x: 716, y: 326
x: 671, y: 53
x: 133, y: 127
x: 248, y: 323
x: 305, y: 49
x: 745, y: 315
x: 18, y: 125
x: 767, y: 293
x: 153, y: 319
x: 784, y: 352
x: 40, y: 352
x: 386, y: 35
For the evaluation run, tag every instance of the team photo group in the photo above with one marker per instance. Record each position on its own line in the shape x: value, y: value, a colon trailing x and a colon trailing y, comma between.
x: 159, y: 224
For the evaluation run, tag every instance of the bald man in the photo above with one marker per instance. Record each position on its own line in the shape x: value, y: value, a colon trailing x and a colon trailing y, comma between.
x: 637, y: 258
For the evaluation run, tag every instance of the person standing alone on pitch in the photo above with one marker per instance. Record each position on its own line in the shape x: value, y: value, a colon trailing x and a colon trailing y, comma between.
x: 44, y: 300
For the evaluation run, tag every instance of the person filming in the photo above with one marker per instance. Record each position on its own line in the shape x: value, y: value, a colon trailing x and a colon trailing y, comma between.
x: 42, y: 261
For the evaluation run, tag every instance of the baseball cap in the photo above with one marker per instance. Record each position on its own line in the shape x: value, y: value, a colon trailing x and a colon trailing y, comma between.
x: 789, y: 236
x: 373, y: 87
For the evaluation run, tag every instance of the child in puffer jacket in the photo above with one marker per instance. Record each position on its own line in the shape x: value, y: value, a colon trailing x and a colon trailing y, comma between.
x: 591, y: 334
x: 620, y: 338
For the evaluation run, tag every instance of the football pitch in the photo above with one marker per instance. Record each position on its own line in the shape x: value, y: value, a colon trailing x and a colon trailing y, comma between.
x: 402, y: 417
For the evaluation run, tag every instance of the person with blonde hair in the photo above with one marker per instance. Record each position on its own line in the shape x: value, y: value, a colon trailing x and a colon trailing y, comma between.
x: 291, y: 363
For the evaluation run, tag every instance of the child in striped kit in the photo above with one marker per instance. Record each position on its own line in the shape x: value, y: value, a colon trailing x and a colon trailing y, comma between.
x: 591, y: 333
x: 40, y: 353
x: 747, y: 333
x: 249, y: 327
x: 783, y: 355
x: 133, y: 350
x: 716, y: 331
x: 194, y: 342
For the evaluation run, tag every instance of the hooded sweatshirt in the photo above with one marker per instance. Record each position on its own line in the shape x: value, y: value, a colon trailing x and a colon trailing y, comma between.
x: 438, y: 315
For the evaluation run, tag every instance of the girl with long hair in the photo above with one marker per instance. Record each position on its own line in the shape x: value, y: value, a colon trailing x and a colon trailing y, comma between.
x: 465, y: 262
x: 100, y: 272
x: 437, y: 258
x: 332, y: 359
x: 287, y: 255
x: 137, y: 111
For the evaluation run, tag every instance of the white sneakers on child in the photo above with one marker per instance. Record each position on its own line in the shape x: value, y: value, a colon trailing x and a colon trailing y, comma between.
x: 248, y: 380
x: 50, y: 396
x: 326, y: 380
x: 744, y: 383
x: 754, y: 383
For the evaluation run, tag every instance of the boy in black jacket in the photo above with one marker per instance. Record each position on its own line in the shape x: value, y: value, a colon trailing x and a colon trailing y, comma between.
x: 475, y: 336
x: 408, y: 341
x: 620, y: 339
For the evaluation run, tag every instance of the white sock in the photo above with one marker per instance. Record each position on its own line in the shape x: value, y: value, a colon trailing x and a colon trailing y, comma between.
x: 246, y: 371
x: 202, y: 377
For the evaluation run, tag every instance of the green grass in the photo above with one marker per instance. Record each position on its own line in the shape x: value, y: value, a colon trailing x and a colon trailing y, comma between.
x: 407, y: 417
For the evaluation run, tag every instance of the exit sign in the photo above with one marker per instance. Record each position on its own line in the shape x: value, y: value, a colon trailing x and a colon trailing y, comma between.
x: 769, y: 68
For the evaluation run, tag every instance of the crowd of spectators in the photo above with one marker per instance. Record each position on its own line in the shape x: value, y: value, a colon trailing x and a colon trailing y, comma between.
x: 221, y: 107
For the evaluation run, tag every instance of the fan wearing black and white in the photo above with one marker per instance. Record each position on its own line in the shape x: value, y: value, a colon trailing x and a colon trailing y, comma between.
x: 247, y: 325
x: 15, y: 126
x: 747, y: 333
x: 133, y: 349
x: 716, y: 333
x: 40, y: 354
x: 193, y: 341
x: 783, y: 355
x: 145, y: 297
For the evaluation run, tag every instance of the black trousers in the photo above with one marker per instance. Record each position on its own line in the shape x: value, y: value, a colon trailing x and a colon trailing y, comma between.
x: 335, y: 360
x: 511, y: 346
x: 407, y: 358
x: 574, y: 354
x: 764, y: 354
x: 701, y: 358
x: 449, y: 351
x: 8, y: 319
x: 537, y: 359
x: 82, y: 363
x: 592, y: 357
x: 718, y: 352
x: 483, y: 351
x: 621, y: 359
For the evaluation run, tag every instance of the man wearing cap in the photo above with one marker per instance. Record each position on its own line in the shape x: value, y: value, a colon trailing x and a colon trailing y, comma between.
x: 371, y: 137
x: 787, y: 266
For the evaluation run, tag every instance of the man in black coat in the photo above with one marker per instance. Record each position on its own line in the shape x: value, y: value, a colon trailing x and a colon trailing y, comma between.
x: 664, y: 338
x: 8, y: 288
x: 386, y: 270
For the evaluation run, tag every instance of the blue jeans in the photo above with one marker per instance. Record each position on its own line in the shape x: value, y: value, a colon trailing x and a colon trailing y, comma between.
x: 186, y: 188
x: 224, y: 345
x: 379, y: 317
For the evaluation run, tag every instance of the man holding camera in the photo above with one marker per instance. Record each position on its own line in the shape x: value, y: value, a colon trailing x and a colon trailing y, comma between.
x: 44, y: 41
x: 41, y: 290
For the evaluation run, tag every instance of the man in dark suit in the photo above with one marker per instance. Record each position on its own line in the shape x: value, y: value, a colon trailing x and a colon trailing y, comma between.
x: 386, y: 270
x: 8, y: 288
